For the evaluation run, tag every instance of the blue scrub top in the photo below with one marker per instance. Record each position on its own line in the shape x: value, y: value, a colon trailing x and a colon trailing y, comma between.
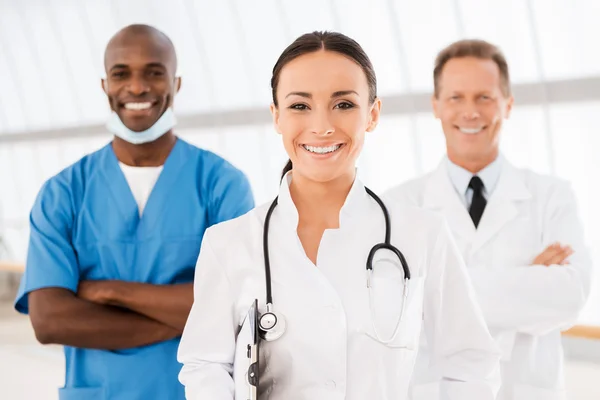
x: 85, y: 225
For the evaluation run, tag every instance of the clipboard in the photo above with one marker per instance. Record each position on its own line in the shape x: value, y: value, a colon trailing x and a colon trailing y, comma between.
x: 245, y: 364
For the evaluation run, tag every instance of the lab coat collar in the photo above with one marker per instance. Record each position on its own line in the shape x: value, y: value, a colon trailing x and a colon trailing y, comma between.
x: 356, y: 200
x: 501, y: 207
x: 440, y: 195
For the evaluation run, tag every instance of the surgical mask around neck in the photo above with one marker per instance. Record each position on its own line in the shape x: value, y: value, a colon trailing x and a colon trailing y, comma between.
x: 164, y: 124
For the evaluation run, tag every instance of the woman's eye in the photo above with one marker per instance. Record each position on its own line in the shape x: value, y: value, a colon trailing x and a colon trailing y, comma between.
x: 345, y: 105
x: 299, y: 107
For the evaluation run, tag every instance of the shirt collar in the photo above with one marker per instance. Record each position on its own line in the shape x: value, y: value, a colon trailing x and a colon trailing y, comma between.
x: 356, y: 199
x: 460, y: 177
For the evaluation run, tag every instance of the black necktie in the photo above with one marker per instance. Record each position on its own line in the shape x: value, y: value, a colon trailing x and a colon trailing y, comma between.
x: 478, y: 203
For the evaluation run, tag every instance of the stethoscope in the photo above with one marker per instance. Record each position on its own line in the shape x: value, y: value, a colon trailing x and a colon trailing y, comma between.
x: 272, y: 324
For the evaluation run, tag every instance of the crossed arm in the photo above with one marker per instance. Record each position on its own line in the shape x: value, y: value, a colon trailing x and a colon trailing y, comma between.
x: 110, y: 315
x: 548, y: 294
x: 535, y: 299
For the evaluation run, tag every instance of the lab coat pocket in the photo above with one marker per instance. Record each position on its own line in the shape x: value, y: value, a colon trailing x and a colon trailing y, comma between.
x: 395, y: 310
x: 88, y: 393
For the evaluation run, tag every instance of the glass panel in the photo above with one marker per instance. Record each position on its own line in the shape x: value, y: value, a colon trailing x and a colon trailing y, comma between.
x: 100, y: 18
x: 29, y: 79
x: 568, y: 32
x: 426, y: 26
x: 134, y: 12
x: 489, y: 21
x: 226, y: 63
x: 198, y: 90
x: 262, y: 44
x: 377, y: 36
x: 79, y: 51
x: 49, y: 64
x: 11, y: 99
x: 308, y: 16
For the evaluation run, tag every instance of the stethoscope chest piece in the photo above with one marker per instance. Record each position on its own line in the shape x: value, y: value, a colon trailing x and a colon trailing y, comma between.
x: 271, y: 325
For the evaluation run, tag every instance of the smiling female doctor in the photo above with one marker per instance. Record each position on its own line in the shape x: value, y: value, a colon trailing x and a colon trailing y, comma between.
x: 343, y: 339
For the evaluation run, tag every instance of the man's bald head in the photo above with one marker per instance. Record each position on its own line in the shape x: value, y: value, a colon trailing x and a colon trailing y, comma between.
x: 141, y: 39
x: 140, y: 82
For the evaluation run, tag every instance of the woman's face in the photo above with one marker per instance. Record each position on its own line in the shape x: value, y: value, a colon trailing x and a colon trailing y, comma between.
x: 323, y: 113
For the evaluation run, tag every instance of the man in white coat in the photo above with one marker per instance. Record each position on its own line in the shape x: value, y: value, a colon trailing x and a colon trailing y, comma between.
x: 519, y: 232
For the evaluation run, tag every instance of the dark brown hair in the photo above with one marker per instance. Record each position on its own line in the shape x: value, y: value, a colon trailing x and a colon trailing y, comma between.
x: 329, y: 41
x: 472, y: 48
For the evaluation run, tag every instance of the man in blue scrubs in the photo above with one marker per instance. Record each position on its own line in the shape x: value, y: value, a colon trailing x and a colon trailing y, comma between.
x: 115, y: 237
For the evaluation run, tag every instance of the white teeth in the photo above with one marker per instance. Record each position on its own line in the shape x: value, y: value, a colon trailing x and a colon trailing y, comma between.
x: 138, y: 106
x: 470, y: 131
x: 322, y: 150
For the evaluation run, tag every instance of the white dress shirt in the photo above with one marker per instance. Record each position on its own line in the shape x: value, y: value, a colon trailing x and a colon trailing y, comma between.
x: 461, y: 177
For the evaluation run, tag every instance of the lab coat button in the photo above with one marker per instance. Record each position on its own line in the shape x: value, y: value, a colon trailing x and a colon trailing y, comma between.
x: 330, y: 385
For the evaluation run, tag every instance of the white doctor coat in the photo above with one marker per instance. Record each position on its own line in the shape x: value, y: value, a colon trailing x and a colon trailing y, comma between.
x: 525, y: 306
x: 326, y: 352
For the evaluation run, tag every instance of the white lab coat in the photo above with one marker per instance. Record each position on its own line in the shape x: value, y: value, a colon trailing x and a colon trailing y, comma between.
x: 525, y: 306
x: 326, y: 353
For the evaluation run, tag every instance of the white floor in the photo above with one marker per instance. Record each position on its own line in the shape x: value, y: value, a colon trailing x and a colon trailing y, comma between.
x: 31, y: 371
